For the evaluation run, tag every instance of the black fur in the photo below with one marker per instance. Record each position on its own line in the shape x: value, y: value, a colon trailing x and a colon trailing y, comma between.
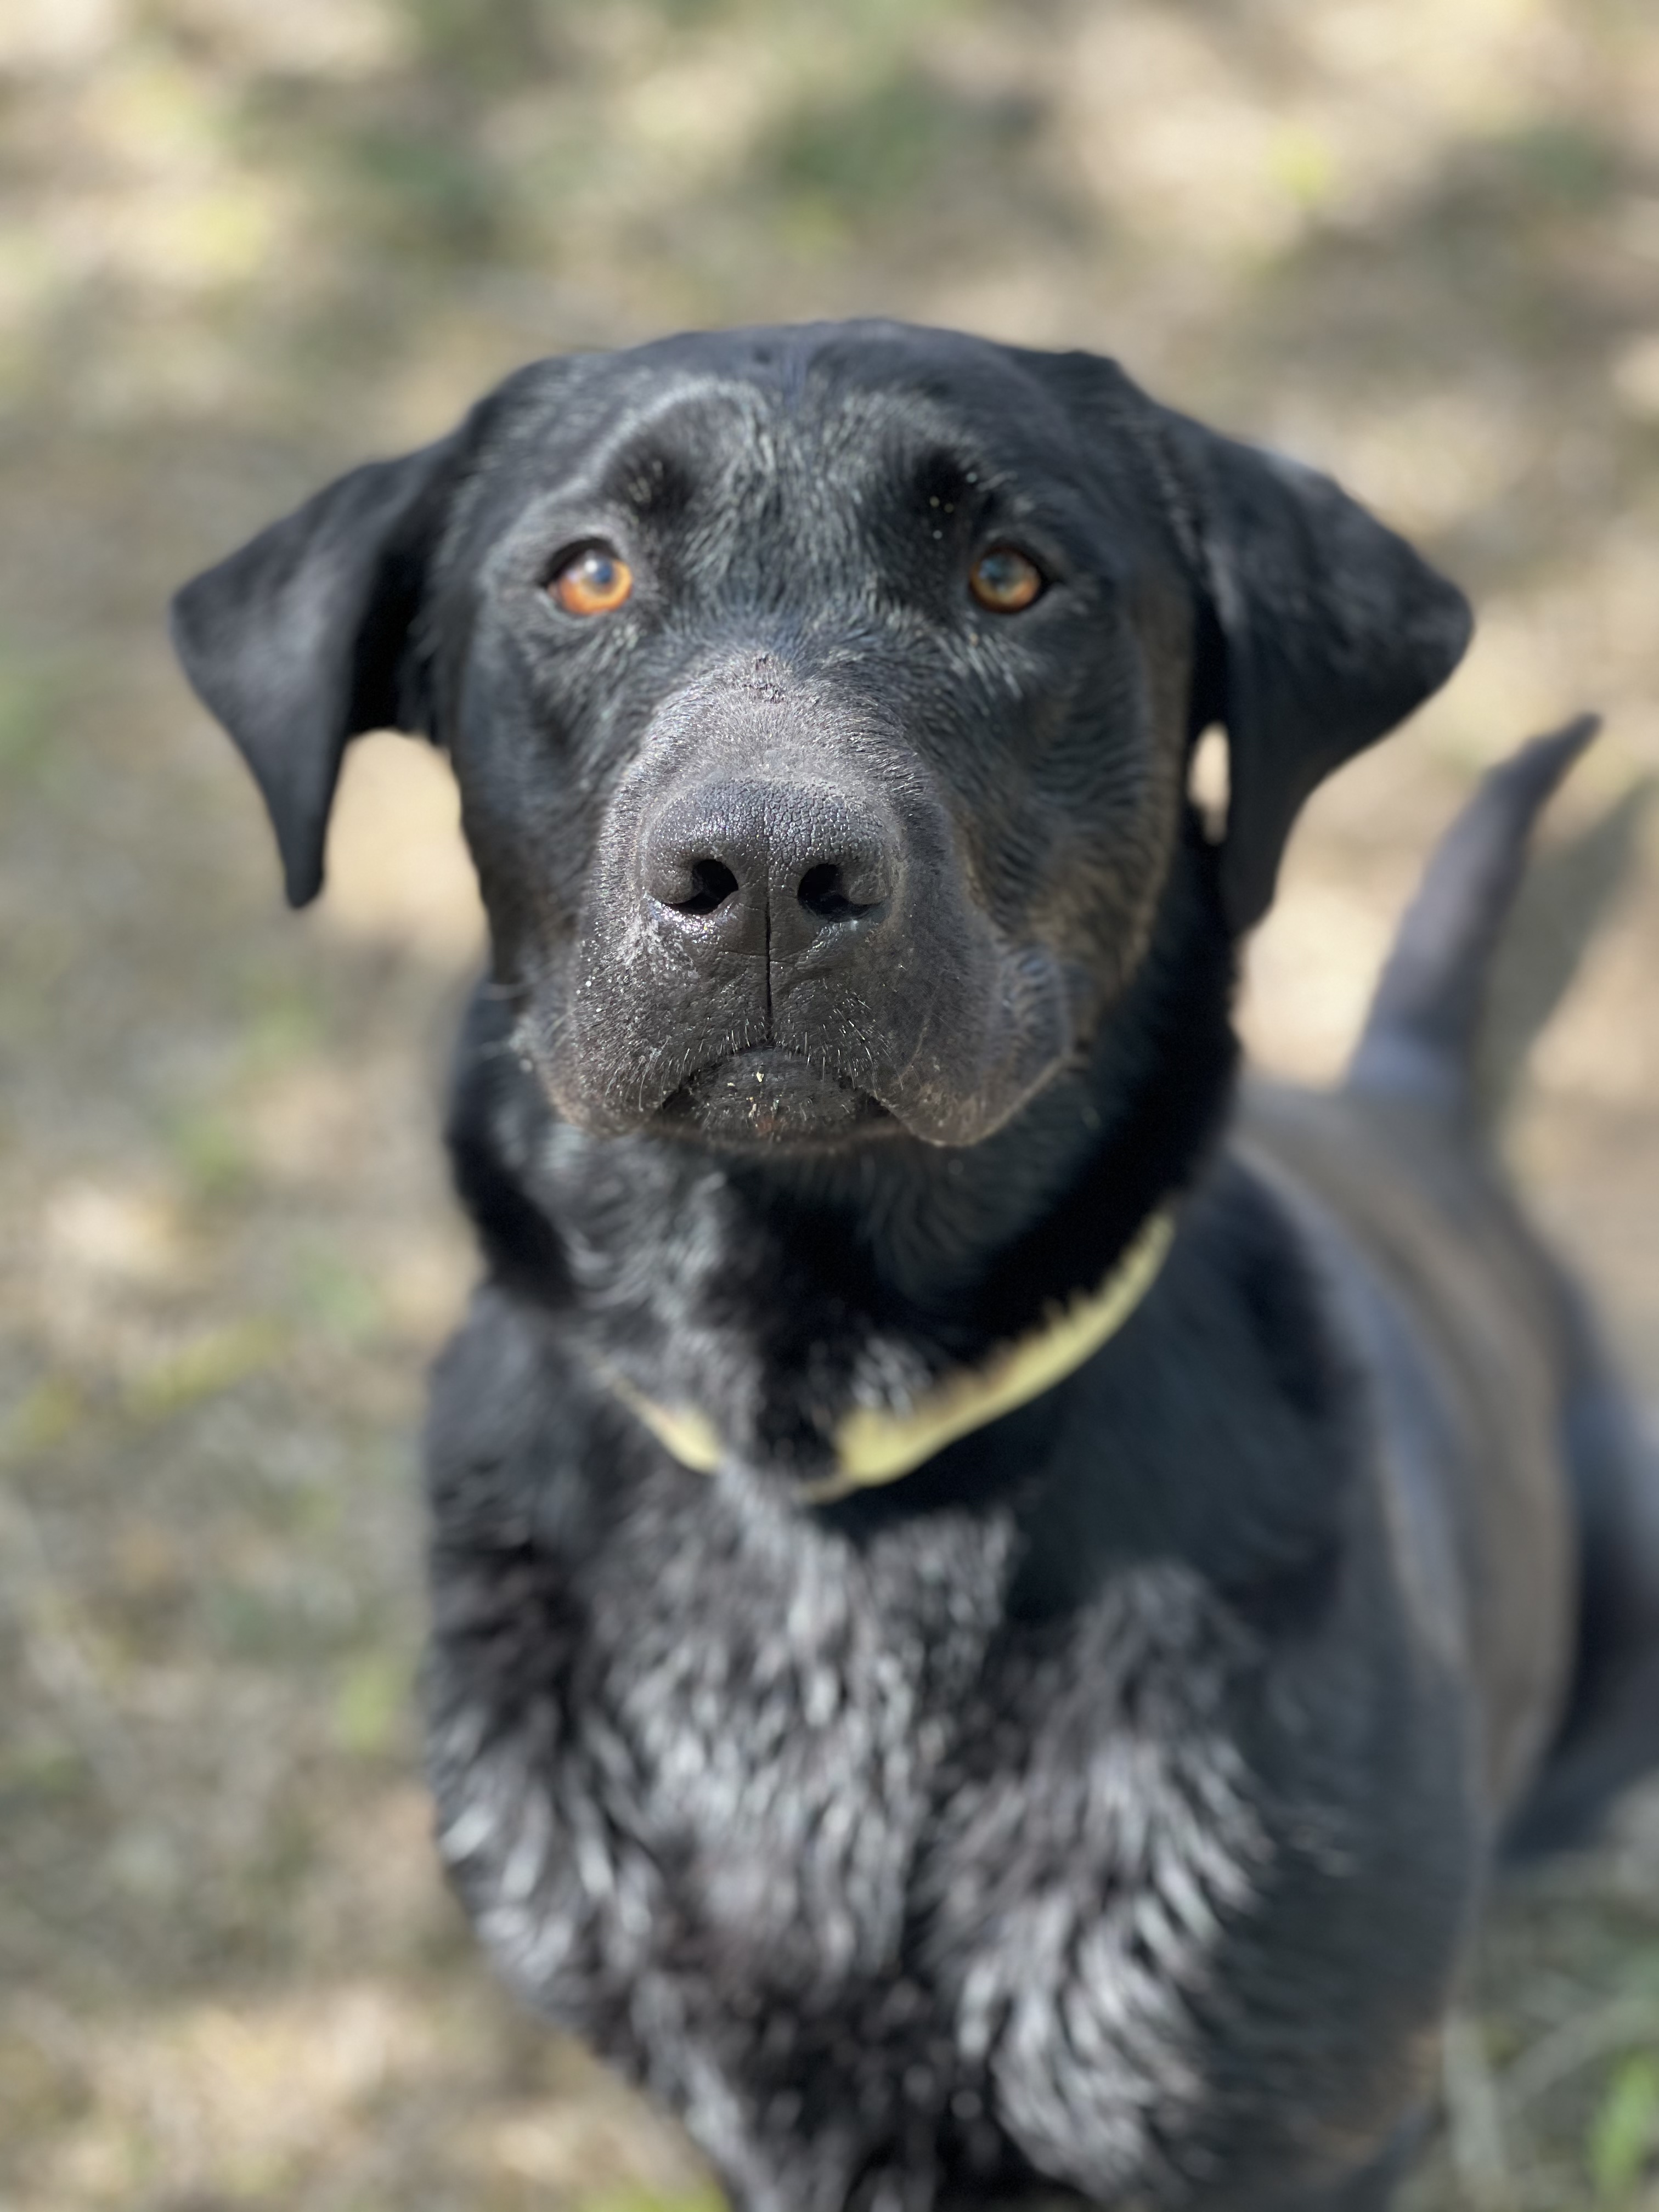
x: 1100, y: 1811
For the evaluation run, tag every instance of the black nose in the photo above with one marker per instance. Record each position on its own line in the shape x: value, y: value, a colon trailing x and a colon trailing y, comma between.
x: 774, y: 870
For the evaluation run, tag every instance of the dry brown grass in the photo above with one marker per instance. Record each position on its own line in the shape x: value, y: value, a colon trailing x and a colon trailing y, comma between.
x: 241, y: 244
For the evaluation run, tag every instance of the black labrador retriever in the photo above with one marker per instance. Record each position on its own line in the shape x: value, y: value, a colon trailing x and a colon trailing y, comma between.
x: 995, y: 1600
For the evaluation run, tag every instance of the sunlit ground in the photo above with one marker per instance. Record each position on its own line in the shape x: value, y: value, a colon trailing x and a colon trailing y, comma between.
x: 242, y: 244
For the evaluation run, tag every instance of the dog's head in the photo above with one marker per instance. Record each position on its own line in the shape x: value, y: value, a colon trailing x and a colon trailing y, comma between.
x: 821, y: 701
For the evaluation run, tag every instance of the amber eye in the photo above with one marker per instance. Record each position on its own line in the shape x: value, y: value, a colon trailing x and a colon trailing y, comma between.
x: 592, y: 582
x: 1004, y: 580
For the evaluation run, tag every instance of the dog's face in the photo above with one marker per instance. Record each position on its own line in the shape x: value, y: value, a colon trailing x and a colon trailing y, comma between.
x: 820, y: 743
x: 821, y: 702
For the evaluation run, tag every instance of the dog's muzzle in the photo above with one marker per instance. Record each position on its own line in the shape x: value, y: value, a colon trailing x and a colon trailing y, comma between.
x: 779, y: 943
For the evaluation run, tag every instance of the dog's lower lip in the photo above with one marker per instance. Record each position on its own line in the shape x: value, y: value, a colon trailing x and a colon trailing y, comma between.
x: 771, y: 1097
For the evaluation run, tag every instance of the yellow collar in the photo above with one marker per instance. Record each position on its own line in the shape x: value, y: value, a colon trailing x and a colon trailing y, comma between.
x: 873, y: 1446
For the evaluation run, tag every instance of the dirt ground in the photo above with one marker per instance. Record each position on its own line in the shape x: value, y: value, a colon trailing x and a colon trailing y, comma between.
x: 242, y: 245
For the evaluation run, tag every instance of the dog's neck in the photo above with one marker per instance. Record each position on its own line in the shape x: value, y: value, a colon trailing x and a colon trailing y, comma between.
x: 771, y: 1292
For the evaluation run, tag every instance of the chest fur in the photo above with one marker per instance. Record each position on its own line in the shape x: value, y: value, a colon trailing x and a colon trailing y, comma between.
x: 788, y: 1826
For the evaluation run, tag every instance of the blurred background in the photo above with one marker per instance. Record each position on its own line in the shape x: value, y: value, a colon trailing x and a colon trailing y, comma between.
x: 244, y: 244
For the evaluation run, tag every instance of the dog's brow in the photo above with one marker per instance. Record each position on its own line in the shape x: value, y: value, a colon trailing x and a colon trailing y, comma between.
x: 643, y: 432
x: 937, y: 466
x: 648, y: 481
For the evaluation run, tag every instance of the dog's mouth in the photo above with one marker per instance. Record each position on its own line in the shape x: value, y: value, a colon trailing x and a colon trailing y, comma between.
x: 770, y: 1099
x: 942, y: 1043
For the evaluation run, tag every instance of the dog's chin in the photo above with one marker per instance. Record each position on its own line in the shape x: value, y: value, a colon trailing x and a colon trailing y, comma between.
x: 771, y: 1101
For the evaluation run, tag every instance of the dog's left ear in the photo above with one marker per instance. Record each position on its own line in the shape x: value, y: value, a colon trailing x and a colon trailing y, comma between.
x: 303, y: 638
x: 1324, y: 630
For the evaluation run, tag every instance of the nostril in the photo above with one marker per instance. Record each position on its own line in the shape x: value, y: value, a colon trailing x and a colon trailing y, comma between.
x: 712, y: 884
x: 822, y: 892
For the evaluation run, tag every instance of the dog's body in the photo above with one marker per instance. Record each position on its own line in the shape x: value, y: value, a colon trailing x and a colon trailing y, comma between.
x: 1099, y: 1809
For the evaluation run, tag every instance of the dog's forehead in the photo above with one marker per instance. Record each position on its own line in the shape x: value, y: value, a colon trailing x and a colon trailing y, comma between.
x: 858, y: 408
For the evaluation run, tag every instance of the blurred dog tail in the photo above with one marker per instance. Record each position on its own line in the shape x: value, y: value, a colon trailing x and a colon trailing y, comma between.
x: 1478, y: 965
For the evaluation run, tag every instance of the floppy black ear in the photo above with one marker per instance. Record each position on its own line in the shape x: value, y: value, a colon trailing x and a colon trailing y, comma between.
x: 302, y: 639
x: 1327, y: 630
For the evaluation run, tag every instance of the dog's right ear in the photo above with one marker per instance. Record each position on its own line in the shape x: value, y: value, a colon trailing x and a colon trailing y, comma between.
x: 302, y: 639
